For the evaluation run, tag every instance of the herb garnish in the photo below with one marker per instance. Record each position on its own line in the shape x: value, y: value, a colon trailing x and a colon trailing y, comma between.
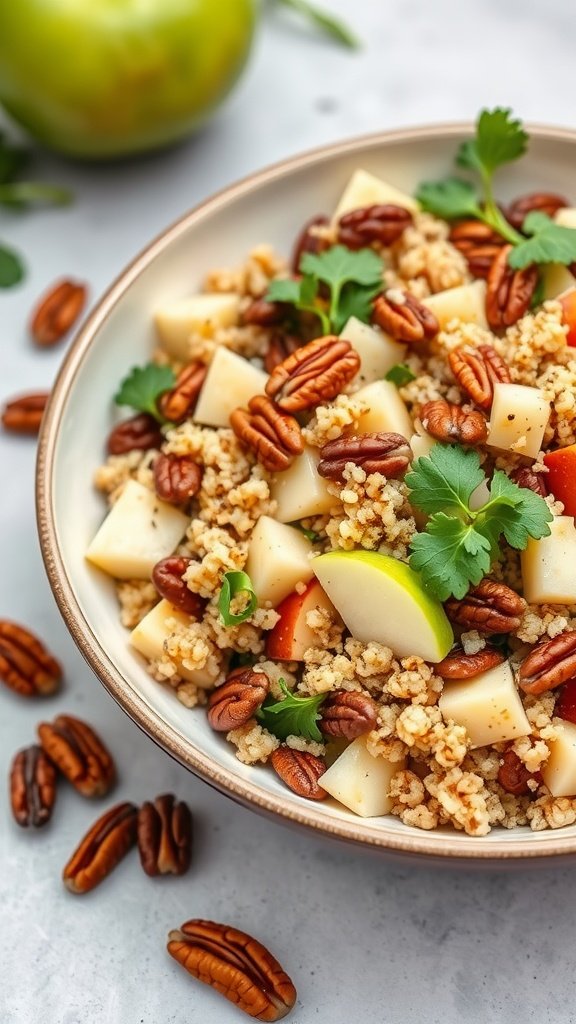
x: 400, y: 374
x: 292, y: 716
x: 234, y: 583
x: 333, y: 27
x: 143, y: 386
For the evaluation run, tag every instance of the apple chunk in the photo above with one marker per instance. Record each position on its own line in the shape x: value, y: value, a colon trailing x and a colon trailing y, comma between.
x: 386, y: 410
x: 518, y: 419
x: 548, y: 565
x: 155, y: 628
x: 467, y: 302
x: 176, y: 321
x: 559, y: 772
x: 300, y: 491
x: 231, y: 381
x: 382, y: 599
x: 378, y: 351
x: 361, y: 782
x: 488, y: 706
x: 366, y: 189
x: 291, y: 636
x: 278, y: 559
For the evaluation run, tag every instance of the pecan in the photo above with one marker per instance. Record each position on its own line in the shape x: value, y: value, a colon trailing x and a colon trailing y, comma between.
x: 308, y: 241
x: 300, y: 771
x: 491, y: 607
x: 378, y: 223
x: 524, y: 476
x: 101, y: 849
x: 139, y: 433
x: 347, y: 714
x: 236, y: 965
x: 478, y: 243
x: 477, y: 371
x: 25, y: 664
x: 57, y: 311
x: 79, y: 753
x: 385, y: 453
x: 237, y: 700
x: 274, y: 436
x: 23, y: 415
x: 178, y: 403
x: 315, y: 373
x: 262, y: 313
x: 402, y: 316
x: 280, y: 346
x: 165, y: 836
x: 32, y: 787
x: 551, y: 663
x: 543, y: 202
x: 167, y: 578
x: 509, y: 292
x: 458, y: 665
x: 452, y: 423
x: 513, y: 775
x: 177, y: 478
x: 566, y: 704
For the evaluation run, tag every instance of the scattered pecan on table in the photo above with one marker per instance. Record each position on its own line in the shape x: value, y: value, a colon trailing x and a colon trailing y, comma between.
x: 177, y: 478
x: 313, y: 374
x: 453, y: 424
x: 477, y: 371
x: 237, y: 700
x: 543, y: 202
x: 167, y: 577
x: 57, y: 311
x: 403, y: 317
x: 180, y: 401
x: 32, y: 787
x: 509, y: 292
x: 101, y: 849
x: 513, y: 775
x: 164, y: 833
x: 525, y: 476
x: 79, y: 753
x: 25, y: 665
x: 308, y: 241
x: 549, y: 664
x: 378, y: 223
x: 490, y: 607
x: 300, y: 771
x: 139, y: 433
x: 280, y: 346
x: 478, y: 243
x: 23, y: 415
x: 347, y: 714
x: 385, y: 453
x: 459, y: 665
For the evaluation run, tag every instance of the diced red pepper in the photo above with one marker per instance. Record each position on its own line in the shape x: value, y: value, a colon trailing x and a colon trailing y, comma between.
x: 568, y: 302
x: 566, y: 703
x: 561, y: 476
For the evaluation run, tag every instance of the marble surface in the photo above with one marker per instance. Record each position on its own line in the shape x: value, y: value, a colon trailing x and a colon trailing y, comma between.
x: 363, y: 937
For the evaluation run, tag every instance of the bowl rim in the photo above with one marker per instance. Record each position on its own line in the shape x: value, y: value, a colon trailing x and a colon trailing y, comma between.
x: 202, y: 765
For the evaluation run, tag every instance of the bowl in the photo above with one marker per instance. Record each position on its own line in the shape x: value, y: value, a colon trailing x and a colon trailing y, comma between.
x: 269, y: 206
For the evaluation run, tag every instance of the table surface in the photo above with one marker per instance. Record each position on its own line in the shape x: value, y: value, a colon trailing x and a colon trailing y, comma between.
x: 362, y: 937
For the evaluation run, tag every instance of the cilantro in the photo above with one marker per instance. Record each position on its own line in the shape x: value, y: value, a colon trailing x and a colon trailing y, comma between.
x: 444, y: 479
x: 450, y: 198
x: 143, y: 386
x: 400, y: 374
x: 11, y: 268
x: 292, y: 716
x: 333, y: 27
x: 13, y: 159
x: 500, y: 139
x: 235, y: 583
x: 20, y: 195
x: 549, y: 243
x: 302, y: 294
x: 311, y: 535
x: 450, y: 556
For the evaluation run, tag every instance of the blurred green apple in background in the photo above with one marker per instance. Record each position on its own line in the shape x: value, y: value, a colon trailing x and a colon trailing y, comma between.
x: 107, y: 78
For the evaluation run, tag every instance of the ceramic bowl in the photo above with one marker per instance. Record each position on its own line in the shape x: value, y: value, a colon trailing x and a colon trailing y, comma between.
x: 267, y: 207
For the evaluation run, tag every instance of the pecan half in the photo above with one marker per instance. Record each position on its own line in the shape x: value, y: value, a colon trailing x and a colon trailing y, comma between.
x: 139, y: 433
x: 478, y: 243
x: 280, y: 346
x: 477, y: 371
x: 524, y: 476
x: 274, y: 437
x: 25, y: 664
x: 453, y: 423
x: 459, y: 665
x: 347, y: 715
x: 237, y: 700
x: 508, y: 292
x: 178, y: 403
x: 32, y: 787
x: 543, y: 202
x: 385, y: 453
x: 566, y: 704
x: 236, y: 965
x: 300, y: 771
x: 313, y: 374
x: 79, y: 753
x: 513, y: 775
x: 177, y: 478
x: 262, y: 313
x: 491, y: 607
x: 308, y: 241
x: 165, y: 836
x: 167, y: 578
x: 23, y: 415
x: 57, y: 311
x: 551, y: 663
x: 402, y: 316
x: 378, y: 223
x: 101, y: 849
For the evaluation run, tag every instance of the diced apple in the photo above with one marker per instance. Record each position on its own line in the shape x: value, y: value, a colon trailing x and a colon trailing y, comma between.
x: 548, y: 573
x: 467, y: 303
x: 361, y: 782
x: 559, y: 772
x: 138, y: 531
x: 231, y: 381
x: 300, y: 491
x: 561, y: 476
x: 176, y: 321
x: 568, y: 302
x: 378, y: 351
x: 556, y: 278
x: 151, y: 633
x: 566, y: 217
x: 278, y: 559
x: 421, y: 443
x: 488, y: 706
x: 386, y: 412
x: 292, y: 636
x: 365, y: 189
x: 518, y: 419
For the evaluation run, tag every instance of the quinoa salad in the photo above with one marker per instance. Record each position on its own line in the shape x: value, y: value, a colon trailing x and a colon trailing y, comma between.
x: 341, y: 512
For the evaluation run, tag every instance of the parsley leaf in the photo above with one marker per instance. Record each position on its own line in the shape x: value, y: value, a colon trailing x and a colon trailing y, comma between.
x: 451, y: 199
x: 550, y: 243
x: 356, y: 300
x: 333, y: 27
x: 301, y: 294
x: 143, y: 386
x: 530, y: 519
x: 450, y: 556
x: 500, y: 139
x: 234, y: 583
x: 400, y: 374
x: 292, y: 716
x: 444, y: 479
x: 11, y: 268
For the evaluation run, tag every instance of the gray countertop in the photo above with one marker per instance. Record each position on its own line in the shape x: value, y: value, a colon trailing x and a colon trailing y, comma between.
x: 363, y: 938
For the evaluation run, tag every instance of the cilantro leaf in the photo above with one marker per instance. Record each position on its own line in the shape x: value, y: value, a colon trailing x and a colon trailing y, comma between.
x: 400, y: 374
x: 451, y: 199
x: 531, y: 513
x: 338, y: 264
x: 23, y: 194
x: 292, y: 716
x: 284, y: 289
x: 234, y: 583
x: 11, y: 268
x: 302, y: 294
x: 444, y: 479
x: 355, y: 300
x: 500, y: 139
x: 333, y: 27
x: 450, y: 556
x: 550, y: 243
x: 143, y: 386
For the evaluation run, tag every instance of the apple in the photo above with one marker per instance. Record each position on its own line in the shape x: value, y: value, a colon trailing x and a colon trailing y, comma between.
x: 384, y: 600
x: 360, y: 781
x: 548, y: 565
x: 561, y: 476
x: 568, y: 302
x: 291, y: 636
x: 364, y: 189
x: 488, y: 706
x: 559, y: 772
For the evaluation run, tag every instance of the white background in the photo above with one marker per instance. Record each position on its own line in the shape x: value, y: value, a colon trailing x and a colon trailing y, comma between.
x: 364, y: 939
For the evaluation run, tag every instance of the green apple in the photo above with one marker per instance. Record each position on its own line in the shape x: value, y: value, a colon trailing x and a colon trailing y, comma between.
x: 384, y: 600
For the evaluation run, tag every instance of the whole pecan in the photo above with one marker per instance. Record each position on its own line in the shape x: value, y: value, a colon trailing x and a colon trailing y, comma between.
x: 164, y: 833
x: 477, y: 371
x: 543, y: 202
x: 32, y: 787
x: 478, y: 243
x: 347, y: 714
x: 549, y: 664
x: 378, y: 223
x: 178, y: 403
x: 57, y: 311
x: 491, y: 607
x: 458, y: 665
x: 280, y: 346
x: 513, y: 774
x: 403, y: 317
x: 300, y: 771
x: 509, y: 292
x: 139, y: 433
x: 25, y: 664
x: 524, y: 476
x: 101, y: 849
x: 313, y: 374
x: 79, y: 753
x: 238, y: 699
x: 236, y: 965
x: 177, y: 478
x: 23, y: 415
x: 274, y: 437
x: 453, y: 423
x: 385, y: 453
x: 167, y: 578
x: 262, y: 313
x: 308, y: 241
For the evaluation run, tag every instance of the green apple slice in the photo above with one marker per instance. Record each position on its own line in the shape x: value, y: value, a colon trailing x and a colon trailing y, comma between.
x: 384, y: 600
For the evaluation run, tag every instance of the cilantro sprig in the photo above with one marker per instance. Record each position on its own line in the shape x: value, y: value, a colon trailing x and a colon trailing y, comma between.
x: 234, y: 583
x: 327, y: 23
x: 292, y: 716
x: 459, y: 544
x: 143, y: 386
x: 400, y: 374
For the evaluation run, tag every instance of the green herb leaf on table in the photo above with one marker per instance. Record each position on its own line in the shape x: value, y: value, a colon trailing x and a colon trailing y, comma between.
x: 11, y: 268
x: 143, y: 386
x: 21, y: 195
x: 332, y: 26
x: 549, y: 243
x: 292, y: 716
x: 400, y: 375
x: 234, y: 583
